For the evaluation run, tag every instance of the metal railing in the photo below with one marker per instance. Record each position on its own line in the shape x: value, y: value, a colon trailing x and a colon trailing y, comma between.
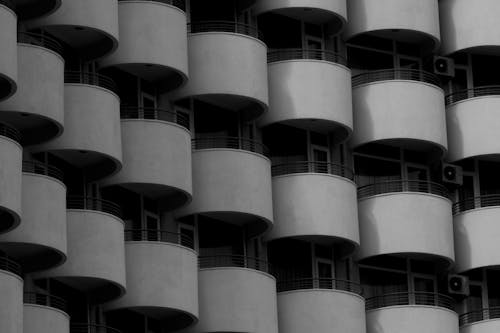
x: 234, y: 261
x: 461, y: 95
x: 395, y: 74
x: 230, y: 142
x: 319, y: 283
x: 91, y: 79
x: 89, y: 203
x: 410, y: 298
x: 181, y: 4
x: 479, y: 315
x: 403, y: 186
x: 10, y: 132
x: 40, y: 40
x: 487, y: 200
x: 130, y: 112
x: 9, y: 265
x: 90, y: 328
x: 154, y: 235
x: 224, y: 26
x: 312, y: 167
x: 46, y: 300
x: 275, y: 55
x: 42, y: 169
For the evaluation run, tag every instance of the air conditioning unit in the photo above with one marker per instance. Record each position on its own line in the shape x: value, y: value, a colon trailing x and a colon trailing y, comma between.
x: 452, y: 174
x: 443, y: 66
x: 458, y: 285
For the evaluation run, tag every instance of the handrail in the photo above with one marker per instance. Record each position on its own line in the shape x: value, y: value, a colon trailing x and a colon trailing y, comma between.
x: 10, y: 132
x: 403, y: 186
x: 43, y: 169
x: 230, y: 142
x: 40, y: 40
x: 45, y: 300
x: 181, y: 4
x: 395, y: 74
x: 275, y: 55
x: 155, y: 235
x: 233, y: 260
x: 319, y: 283
x: 9, y: 265
x: 464, y: 94
x: 8, y: 3
x: 135, y: 112
x: 91, y: 328
x: 312, y: 167
x: 479, y: 315
x: 487, y: 200
x: 410, y: 298
x: 224, y: 26
x: 90, y: 78
x: 89, y: 203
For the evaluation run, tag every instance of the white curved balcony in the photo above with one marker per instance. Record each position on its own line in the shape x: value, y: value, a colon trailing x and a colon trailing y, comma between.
x: 44, y: 313
x: 8, y: 58
x: 153, y: 42
x: 29, y: 9
x: 480, y: 321
x: 11, y: 302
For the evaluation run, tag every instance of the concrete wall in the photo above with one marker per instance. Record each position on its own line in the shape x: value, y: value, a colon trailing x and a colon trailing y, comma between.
x: 38, y: 319
x: 10, y: 178
x: 8, y: 57
x: 11, y: 303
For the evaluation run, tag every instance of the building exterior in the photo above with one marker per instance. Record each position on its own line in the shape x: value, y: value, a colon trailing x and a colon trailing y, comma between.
x: 249, y: 166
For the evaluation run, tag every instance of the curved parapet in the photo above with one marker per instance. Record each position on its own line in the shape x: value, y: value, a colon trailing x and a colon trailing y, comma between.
x: 44, y: 313
x: 8, y: 57
x: 11, y: 302
x: 480, y: 321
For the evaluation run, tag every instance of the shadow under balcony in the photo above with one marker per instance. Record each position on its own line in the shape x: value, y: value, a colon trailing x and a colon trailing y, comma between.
x: 30, y: 9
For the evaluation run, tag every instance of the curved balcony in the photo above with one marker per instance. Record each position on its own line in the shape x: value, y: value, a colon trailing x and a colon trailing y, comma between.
x: 40, y: 240
x: 29, y: 9
x: 92, y: 136
x: 44, y: 313
x: 37, y: 108
x: 156, y: 155
x: 412, y: 100
x: 411, y: 313
x: 90, y: 328
x: 480, y: 321
x: 227, y: 66
x: 407, y: 20
x: 303, y: 86
x: 472, y: 121
x: 231, y: 182
x: 8, y: 58
x: 96, y: 249
x: 406, y: 217
x: 312, y: 11
x: 153, y: 42
x: 11, y: 302
x: 315, y: 200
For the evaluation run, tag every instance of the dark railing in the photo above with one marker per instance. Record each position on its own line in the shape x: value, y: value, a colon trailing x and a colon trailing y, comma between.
x: 42, y: 169
x: 488, y: 200
x: 312, y: 167
x: 90, y: 78
x: 410, y: 298
x: 224, y: 26
x: 230, y: 142
x: 9, y: 265
x: 275, y: 55
x: 10, y: 132
x: 153, y: 235
x: 479, y: 315
x: 40, y: 40
x: 89, y: 203
x: 181, y: 4
x: 89, y: 328
x: 472, y: 92
x: 234, y: 261
x: 319, y: 283
x: 46, y: 300
x: 395, y: 74
x: 402, y: 186
x: 129, y: 112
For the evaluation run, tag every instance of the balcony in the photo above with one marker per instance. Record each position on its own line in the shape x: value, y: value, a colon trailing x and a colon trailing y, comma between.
x: 156, y: 155
x: 30, y: 9
x: 40, y: 240
x: 412, y: 99
x: 90, y: 28
x: 303, y: 86
x: 11, y: 302
x: 96, y: 250
x: 44, y: 313
x: 154, y: 257
x: 472, y: 121
x: 153, y: 41
x: 92, y: 137
x: 480, y: 321
x: 37, y: 108
x: 411, y: 313
x: 231, y: 182
x: 315, y: 200
x: 8, y: 58
x: 227, y: 66
x: 91, y: 328
x: 406, y: 217
x: 406, y: 20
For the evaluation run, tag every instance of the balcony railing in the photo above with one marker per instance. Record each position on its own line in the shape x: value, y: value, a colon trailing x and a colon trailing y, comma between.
x: 461, y: 95
x: 403, y: 186
x: 319, y: 283
x: 230, y: 142
x: 8, y: 4
x: 154, y: 235
x: 129, y: 112
x: 395, y: 74
x: 10, y: 132
x: 89, y: 328
x: 224, y: 26
x: 89, y: 203
x: 479, y: 315
x: 93, y: 79
x: 181, y: 4
x: 43, y: 169
x: 294, y: 54
x: 489, y: 200
x: 312, y: 167
x: 40, y: 40
x: 45, y: 300
x: 410, y: 298
x: 234, y: 261
x: 9, y: 265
